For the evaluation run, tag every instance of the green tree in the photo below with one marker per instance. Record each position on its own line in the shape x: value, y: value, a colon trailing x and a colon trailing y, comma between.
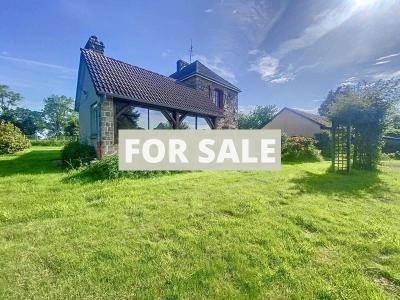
x: 258, y: 117
x: 167, y: 125
x: 57, y: 112
x: 72, y: 128
x: 324, y: 108
x: 368, y: 113
x: 8, y: 98
x: 28, y: 121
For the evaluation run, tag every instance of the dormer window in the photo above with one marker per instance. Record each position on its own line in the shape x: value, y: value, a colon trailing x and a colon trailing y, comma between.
x: 218, y: 98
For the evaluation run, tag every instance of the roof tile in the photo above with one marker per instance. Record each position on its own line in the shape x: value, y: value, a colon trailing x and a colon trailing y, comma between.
x: 123, y: 80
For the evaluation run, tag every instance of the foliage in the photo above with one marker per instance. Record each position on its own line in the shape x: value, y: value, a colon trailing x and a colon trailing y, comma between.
x: 107, y: 168
x: 391, y: 146
x: 323, y: 142
x: 299, y: 149
x: 30, y: 122
x: 396, y: 121
x: 129, y: 119
x: 167, y: 125
x: 58, y: 111
x: 394, y: 132
x: 51, y: 142
x: 367, y: 113
x: 258, y: 117
x: 11, y: 139
x: 72, y: 128
x: 300, y: 233
x: 329, y: 100
x: 385, y: 89
x: 391, y: 155
x: 8, y: 98
x: 75, y: 154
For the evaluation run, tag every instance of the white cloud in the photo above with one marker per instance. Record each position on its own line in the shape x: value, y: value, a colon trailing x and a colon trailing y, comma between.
x: 386, y: 75
x: 350, y: 81
x: 309, y: 110
x: 388, y: 56
x: 324, y: 23
x: 256, y: 18
x: 382, y: 62
x: 37, y: 63
x: 266, y: 66
x: 283, y: 78
x: 217, y: 65
x: 254, y: 52
x: 4, y: 53
x: 209, y: 10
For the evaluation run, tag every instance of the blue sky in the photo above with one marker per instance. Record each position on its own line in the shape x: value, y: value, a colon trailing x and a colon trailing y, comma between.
x: 288, y: 53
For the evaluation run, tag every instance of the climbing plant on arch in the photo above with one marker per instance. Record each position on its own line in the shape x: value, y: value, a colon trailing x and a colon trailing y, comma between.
x: 359, y: 119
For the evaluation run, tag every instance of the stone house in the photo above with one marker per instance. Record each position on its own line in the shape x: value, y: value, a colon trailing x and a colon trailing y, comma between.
x: 294, y: 122
x: 113, y: 95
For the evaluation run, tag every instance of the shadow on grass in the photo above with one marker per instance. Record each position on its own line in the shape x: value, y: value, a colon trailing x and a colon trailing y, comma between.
x: 86, y: 175
x: 332, y: 183
x: 36, y: 161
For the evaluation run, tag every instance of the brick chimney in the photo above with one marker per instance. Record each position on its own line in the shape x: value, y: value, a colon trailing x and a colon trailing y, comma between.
x: 180, y: 64
x: 94, y: 44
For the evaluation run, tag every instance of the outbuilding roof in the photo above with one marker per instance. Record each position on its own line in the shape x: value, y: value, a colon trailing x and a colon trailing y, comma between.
x: 197, y: 68
x: 118, y: 79
x: 320, y: 120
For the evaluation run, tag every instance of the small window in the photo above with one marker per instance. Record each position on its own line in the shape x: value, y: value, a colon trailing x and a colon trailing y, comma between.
x: 94, y: 120
x: 218, y: 98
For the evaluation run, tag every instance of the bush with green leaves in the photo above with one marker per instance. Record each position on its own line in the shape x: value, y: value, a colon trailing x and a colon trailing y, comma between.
x: 11, y: 139
x: 391, y: 156
x: 107, y: 168
x: 50, y: 142
x: 323, y: 142
x: 75, y: 154
x: 299, y: 149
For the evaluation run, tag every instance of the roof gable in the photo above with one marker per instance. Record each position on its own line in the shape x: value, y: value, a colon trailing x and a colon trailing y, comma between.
x: 320, y: 120
x: 119, y: 79
x: 197, y: 68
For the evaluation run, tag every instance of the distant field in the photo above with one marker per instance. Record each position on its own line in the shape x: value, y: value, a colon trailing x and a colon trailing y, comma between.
x: 300, y: 233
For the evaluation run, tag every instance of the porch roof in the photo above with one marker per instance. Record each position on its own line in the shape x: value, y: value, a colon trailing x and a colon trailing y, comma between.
x: 118, y: 79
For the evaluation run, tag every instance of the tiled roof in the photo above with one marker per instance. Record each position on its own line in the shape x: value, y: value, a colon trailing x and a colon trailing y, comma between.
x: 321, y: 120
x: 198, y: 68
x: 119, y: 79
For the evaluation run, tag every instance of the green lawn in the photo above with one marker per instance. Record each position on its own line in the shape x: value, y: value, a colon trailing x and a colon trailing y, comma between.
x: 300, y: 233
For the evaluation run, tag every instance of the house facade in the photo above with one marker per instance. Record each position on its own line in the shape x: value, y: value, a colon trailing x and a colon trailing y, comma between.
x: 294, y: 122
x: 113, y: 95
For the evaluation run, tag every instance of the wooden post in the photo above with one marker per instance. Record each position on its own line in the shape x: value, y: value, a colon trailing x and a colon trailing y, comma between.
x: 333, y: 146
x: 148, y: 119
x: 348, y: 147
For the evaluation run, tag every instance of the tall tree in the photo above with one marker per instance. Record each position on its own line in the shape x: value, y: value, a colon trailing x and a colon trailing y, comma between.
x: 72, y: 128
x: 30, y: 122
x: 57, y: 112
x: 8, y: 98
x: 258, y: 117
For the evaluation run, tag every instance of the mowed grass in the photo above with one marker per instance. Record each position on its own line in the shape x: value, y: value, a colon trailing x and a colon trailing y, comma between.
x: 300, y: 233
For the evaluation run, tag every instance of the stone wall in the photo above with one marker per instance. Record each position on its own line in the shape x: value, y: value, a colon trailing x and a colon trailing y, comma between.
x: 107, y: 127
x: 230, y: 98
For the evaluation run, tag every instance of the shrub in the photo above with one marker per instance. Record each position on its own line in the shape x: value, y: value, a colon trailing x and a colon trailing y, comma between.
x: 390, y: 156
x: 394, y: 132
x: 75, y: 154
x: 323, y: 142
x: 11, y: 139
x: 300, y: 149
x: 49, y: 142
x: 107, y: 168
